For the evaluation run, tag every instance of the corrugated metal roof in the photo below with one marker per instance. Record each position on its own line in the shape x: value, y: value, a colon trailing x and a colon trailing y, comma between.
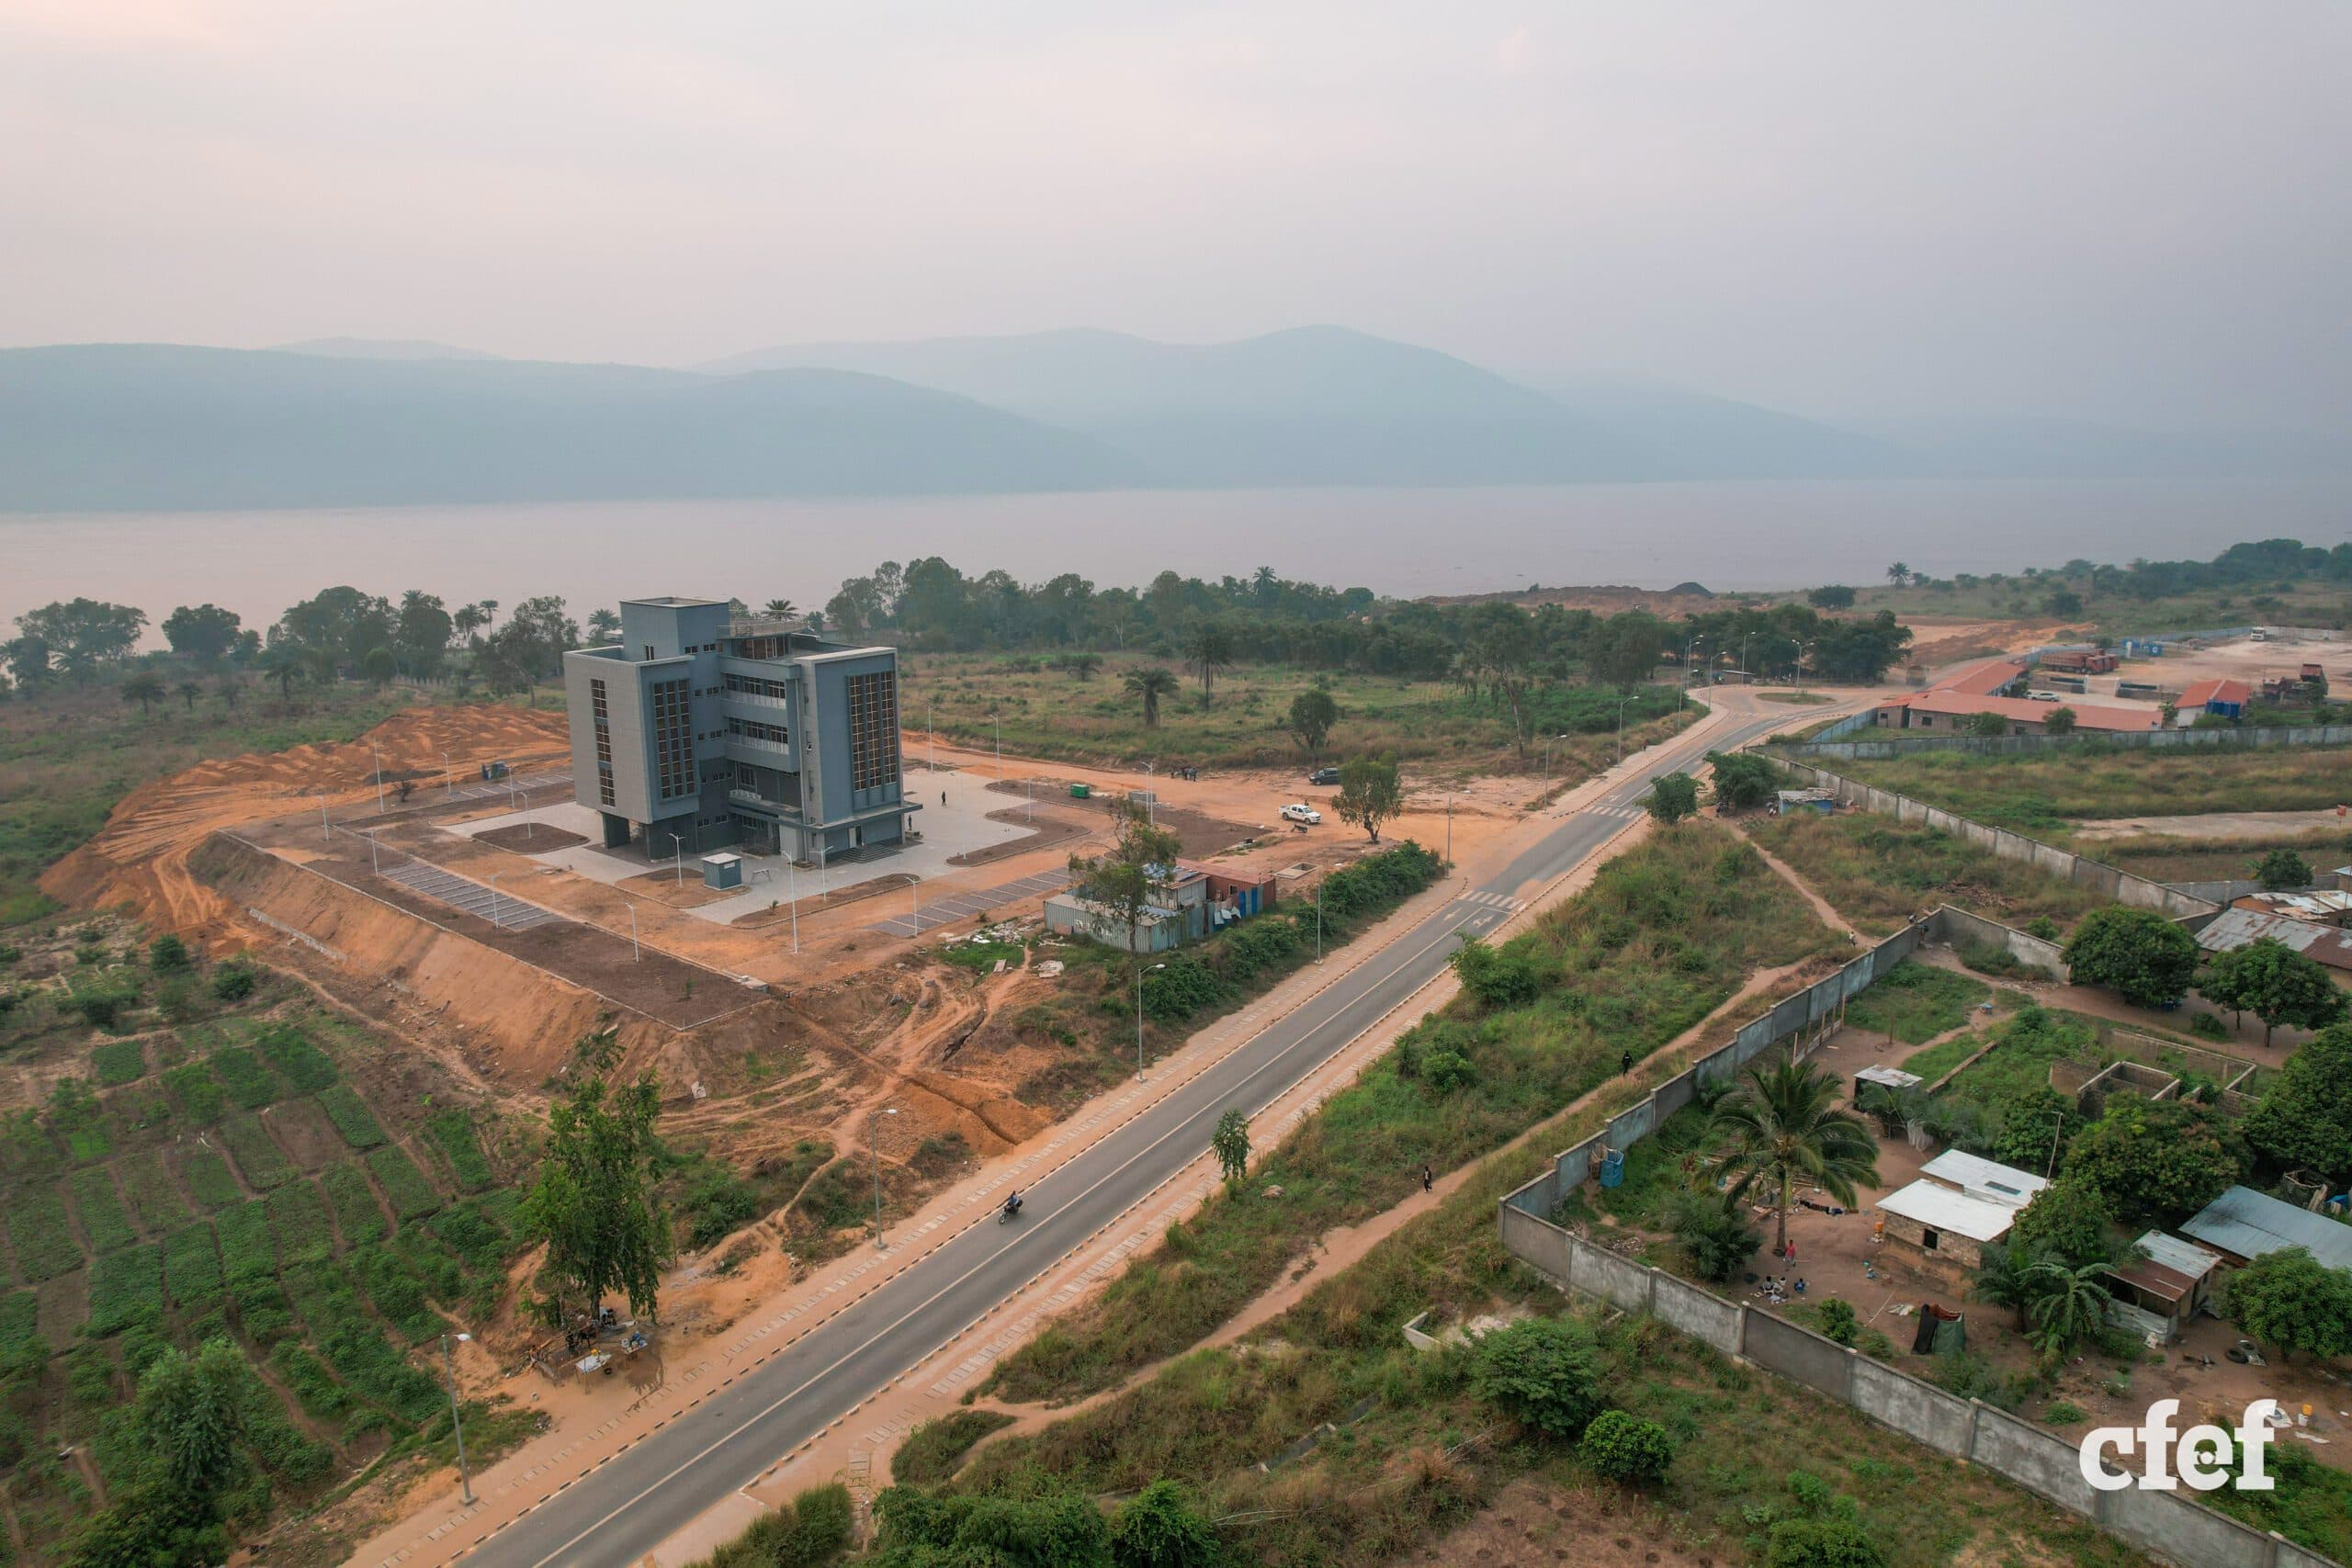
x: 2088, y: 715
x: 1981, y: 1178
x: 2235, y: 927
x: 2184, y: 1258
x: 2246, y: 1224
x: 1940, y: 1207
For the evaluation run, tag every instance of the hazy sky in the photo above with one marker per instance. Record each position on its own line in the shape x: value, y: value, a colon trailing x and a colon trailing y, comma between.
x: 2127, y: 210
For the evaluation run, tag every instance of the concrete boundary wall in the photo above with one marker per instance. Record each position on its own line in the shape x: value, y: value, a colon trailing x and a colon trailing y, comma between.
x: 2169, y: 1525
x: 1959, y: 926
x: 1904, y: 744
x: 2108, y: 882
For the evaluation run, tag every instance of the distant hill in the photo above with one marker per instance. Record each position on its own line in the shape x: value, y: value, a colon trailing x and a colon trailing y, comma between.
x: 138, y: 426
x: 380, y: 349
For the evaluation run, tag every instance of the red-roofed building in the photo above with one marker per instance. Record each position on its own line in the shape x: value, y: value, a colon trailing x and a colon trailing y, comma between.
x: 1994, y: 678
x: 2222, y: 699
x: 1953, y: 702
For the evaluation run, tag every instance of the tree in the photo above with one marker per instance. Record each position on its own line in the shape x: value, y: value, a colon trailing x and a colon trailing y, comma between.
x: 84, y: 635
x: 282, y: 661
x: 145, y: 689
x: 1230, y: 1144
x: 167, y: 954
x: 2304, y: 1118
x: 605, y: 627
x: 1543, y: 1371
x: 2291, y: 1301
x: 190, y: 1414
x: 1743, y: 779
x: 1898, y: 574
x: 1132, y: 876
x: 379, y: 665
x: 1312, y: 714
x: 1623, y: 649
x: 2005, y: 1277
x: 774, y: 610
x: 594, y: 1204
x: 2060, y: 721
x: 1159, y: 1528
x: 1989, y: 725
x: 1080, y: 666
x: 1150, y: 684
x: 2275, y: 983
x: 1624, y: 1448
x: 1715, y: 1235
x: 1208, y: 647
x: 1782, y: 1122
x: 2153, y: 1159
x: 1673, y: 797
x: 29, y: 664
x: 1831, y: 596
x: 2068, y: 1220
x: 2137, y: 953
x: 2069, y: 1305
x: 1370, y: 794
x: 2065, y: 603
x: 2283, y: 871
x: 189, y: 691
x: 202, y: 632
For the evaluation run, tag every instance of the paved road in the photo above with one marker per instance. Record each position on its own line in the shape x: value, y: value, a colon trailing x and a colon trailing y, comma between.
x: 623, y: 1510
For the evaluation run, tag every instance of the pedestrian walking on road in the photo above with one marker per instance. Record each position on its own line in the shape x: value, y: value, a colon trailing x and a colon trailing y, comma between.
x: 1626, y: 1065
x: 1429, y: 1180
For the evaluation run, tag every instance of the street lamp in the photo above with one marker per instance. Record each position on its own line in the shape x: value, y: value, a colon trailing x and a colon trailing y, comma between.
x: 449, y: 776
x: 325, y: 826
x: 1449, y: 830
x: 1140, y: 973
x: 1620, y: 724
x: 495, y: 919
x: 874, y: 1147
x: 373, y: 863
x: 379, y: 756
x: 634, y: 951
x: 678, y: 853
x: 1548, y: 767
x: 1801, y: 651
x: 1318, y: 919
x: 792, y: 888
x: 449, y: 1365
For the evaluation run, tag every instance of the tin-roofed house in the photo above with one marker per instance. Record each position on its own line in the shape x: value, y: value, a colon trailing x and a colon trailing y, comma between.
x: 2167, y: 1282
x: 2241, y: 1225
x: 1938, y: 1226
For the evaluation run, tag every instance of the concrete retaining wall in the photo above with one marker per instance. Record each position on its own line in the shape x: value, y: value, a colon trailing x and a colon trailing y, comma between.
x: 1799, y: 1355
x: 2172, y: 1526
x: 2108, y: 882
x: 1960, y: 928
x: 1850, y: 746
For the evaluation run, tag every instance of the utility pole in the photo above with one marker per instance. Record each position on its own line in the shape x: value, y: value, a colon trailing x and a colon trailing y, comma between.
x: 374, y: 864
x: 1620, y: 726
x: 874, y: 1147
x: 325, y: 826
x: 495, y: 919
x: 449, y: 1365
x: 792, y: 887
x: 379, y: 756
x: 634, y: 951
x: 449, y: 776
x: 1449, y: 830
x: 1318, y: 918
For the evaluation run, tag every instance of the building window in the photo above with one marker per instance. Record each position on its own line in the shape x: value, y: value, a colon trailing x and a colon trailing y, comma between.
x: 758, y: 686
x: 649, y: 653
x: 603, y: 742
x: 674, y: 740
x: 873, y: 730
x: 752, y: 730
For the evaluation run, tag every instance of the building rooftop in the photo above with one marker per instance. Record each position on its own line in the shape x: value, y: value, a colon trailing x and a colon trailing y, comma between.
x: 2171, y: 1268
x: 1942, y: 1209
x: 2247, y: 1223
x: 2088, y: 715
x: 2321, y: 904
x: 2235, y: 927
x: 673, y: 602
x: 1981, y: 680
x: 2224, y: 691
x: 1980, y: 1177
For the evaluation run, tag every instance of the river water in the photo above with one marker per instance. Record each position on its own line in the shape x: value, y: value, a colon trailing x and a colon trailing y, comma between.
x: 1403, y: 542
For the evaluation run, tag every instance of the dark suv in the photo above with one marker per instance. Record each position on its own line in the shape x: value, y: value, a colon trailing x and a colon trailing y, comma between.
x: 1323, y: 776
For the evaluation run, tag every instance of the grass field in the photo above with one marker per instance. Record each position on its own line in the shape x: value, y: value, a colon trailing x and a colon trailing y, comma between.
x: 66, y: 758
x: 1047, y: 712
x: 2164, y: 859
x: 1879, y: 873
x: 1662, y: 936
x: 2045, y: 793
x: 1915, y: 1002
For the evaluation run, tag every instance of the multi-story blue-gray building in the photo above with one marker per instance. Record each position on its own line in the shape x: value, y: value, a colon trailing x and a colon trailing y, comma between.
x: 700, y: 731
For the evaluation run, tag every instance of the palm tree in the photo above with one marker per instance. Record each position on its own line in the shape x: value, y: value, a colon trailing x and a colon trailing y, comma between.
x: 1209, y: 649
x: 144, y: 689
x: 281, y: 662
x: 1898, y: 574
x: 777, y: 610
x: 2009, y: 1277
x: 1082, y: 666
x: 1151, y: 685
x: 2069, y: 1304
x: 1784, y: 1123
x: 604, y: 625
x: 189, y: 691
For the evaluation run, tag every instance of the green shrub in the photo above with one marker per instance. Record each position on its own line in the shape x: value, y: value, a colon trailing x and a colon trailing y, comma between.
x: 1837, y: 1321
x: 233, y: 981
x: 239, y: 1072
x: 412, y: 1196
x: 264, y: 1164
x: 1718, y: 1240
x: 351, y: 1119
x: 198, y: 1092
x: 1543, y: 1371
x: 1831, y: 1540
x: 103, y: 1220
x: 167, y: 954
x: 933, y: 1450
x: 1622, y: 1447
x: 2064, y: 1412
x: 102, y: 1003
x: 2205, y: 1026
x: 120, y: 1062
x: 452, y: 1132
x: 1446, y: 1071
x: 303, y: 1065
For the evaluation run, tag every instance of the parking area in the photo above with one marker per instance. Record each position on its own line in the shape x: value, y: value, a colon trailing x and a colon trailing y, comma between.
x: 957, y: 907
